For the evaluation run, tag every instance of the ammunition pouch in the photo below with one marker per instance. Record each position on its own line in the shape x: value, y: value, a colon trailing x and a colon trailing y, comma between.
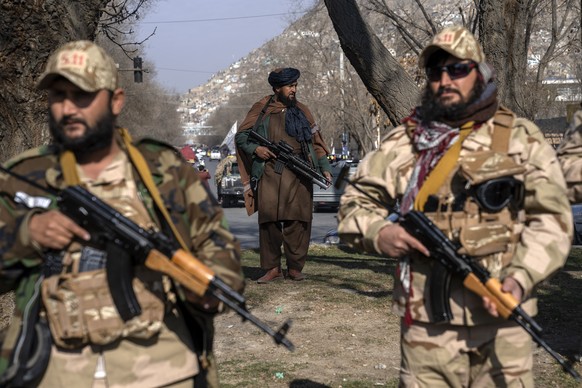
x: 80, y: 310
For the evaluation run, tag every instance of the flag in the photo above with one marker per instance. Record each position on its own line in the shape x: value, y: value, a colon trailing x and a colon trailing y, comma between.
x: 229, y: 139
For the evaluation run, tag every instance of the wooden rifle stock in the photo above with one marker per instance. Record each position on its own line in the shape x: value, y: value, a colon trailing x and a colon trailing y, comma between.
x: 159, y: 262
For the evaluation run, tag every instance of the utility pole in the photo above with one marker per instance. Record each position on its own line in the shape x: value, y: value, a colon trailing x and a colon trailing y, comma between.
x: 345, y: 134
x: 138, y: 69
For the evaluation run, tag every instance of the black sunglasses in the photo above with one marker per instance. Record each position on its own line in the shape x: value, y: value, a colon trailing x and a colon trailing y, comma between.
x: 454, y: 70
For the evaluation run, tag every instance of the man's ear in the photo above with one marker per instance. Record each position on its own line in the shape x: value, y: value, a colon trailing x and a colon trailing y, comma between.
x: 117, y: 101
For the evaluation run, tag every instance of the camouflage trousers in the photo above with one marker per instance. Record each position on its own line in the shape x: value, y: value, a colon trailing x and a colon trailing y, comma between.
x: 499, y: 355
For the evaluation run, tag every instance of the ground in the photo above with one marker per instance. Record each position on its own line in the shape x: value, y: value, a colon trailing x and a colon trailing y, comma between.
x: 344, y: 332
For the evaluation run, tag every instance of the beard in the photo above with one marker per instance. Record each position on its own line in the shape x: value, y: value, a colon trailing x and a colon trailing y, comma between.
x: 433, y: 109
x: 288, y: 102
x: 95, y: 138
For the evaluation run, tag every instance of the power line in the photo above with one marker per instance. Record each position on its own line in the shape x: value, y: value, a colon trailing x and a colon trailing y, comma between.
x: 186, y: 70
x: 222, y: 19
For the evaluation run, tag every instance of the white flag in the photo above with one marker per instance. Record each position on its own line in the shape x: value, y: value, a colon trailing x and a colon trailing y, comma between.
x: 229, y: 139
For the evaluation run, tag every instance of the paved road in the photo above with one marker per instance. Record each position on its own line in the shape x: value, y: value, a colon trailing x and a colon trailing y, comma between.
x: 247, y: 230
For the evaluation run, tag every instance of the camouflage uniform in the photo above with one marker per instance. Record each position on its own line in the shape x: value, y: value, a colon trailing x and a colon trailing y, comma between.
x: 530, y: 244
x: 182, y: 339
x: 570, y: 155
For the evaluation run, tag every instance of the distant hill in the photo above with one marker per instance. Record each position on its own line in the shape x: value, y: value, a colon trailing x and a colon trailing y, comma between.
x: 244, y: 81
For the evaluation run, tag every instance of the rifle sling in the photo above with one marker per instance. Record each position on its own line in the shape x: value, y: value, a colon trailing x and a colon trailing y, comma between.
x: 141, y: 165
x: 262, y: 113
x: 439, y: 174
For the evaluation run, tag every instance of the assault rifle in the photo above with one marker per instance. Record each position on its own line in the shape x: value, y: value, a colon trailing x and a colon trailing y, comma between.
x: 286, y: 158
x: 153, y: 249
x: 474, y: 277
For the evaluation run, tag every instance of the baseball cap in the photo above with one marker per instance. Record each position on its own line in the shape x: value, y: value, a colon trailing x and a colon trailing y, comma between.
x: 83, y: 63
x: 457, y: 41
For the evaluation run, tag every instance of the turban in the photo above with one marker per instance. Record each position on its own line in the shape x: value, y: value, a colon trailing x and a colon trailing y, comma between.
x: 282, y: 77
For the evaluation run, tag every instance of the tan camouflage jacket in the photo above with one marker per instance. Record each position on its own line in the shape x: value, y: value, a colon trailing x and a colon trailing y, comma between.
x: 220, y: 168
x: 544, y: 229
x: 570, y: 156
x: 194, y: 211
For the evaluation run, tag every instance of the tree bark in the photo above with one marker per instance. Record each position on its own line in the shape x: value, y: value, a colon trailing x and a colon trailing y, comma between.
x: 29, y: 32
x: 502, y: 32
x: 382, y: 75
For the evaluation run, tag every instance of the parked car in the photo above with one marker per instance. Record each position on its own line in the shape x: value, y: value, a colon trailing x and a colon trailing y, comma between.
x: 577, y: 214
x: 230, y: 189
x: 328, y: 199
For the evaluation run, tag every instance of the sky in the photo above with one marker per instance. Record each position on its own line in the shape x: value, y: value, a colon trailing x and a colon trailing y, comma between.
x: 196, y: 38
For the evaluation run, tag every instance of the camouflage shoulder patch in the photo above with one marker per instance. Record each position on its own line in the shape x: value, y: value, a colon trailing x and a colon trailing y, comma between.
x: 397, y: 133
x: 160, y: 155
x: 154, y: 145
x: 32, y: 153
x: 530, y: 128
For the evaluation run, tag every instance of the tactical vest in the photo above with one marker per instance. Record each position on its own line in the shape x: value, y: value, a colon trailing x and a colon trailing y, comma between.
x: 487, y: 235
x: 77, y: 300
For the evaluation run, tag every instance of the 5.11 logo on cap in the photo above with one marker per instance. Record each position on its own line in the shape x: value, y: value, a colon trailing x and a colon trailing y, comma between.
x: 72, y: 59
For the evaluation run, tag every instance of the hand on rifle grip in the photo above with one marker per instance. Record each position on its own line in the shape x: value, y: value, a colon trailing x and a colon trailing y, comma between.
x: 509, y: 294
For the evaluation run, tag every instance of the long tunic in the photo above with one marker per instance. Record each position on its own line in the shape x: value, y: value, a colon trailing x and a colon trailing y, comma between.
x: 283, y: 196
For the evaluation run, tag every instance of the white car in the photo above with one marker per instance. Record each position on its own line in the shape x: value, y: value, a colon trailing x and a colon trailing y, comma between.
x: 215, y: 154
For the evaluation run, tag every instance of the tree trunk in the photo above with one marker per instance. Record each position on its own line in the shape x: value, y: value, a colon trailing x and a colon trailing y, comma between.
x: 502, y: 32
x: 29, y: 32
x: 382, y: 75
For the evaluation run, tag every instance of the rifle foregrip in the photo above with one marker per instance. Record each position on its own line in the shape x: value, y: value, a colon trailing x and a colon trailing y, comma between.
x: 193, y: 266
x: 504, y: 301
x: 191, y: 280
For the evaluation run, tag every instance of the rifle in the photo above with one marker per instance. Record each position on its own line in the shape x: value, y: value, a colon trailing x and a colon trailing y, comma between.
x: 110, y: 228
x: 286, y: 158
x: 474, y: 277
x: 32, y: 350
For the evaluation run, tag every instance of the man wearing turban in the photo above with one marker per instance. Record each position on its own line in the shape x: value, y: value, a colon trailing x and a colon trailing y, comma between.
x: 284, y: 200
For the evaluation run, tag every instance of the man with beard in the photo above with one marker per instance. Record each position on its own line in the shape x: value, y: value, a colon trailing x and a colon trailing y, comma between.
x: 491, y: 183
x: 170, y: 342
x: 284, y: 200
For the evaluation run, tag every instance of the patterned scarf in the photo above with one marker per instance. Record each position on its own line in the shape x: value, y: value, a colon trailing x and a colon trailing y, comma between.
x: 432, y: 140
x: 297, y: 125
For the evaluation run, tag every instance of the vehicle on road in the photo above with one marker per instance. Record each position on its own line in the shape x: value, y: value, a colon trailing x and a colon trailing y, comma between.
x: 215, y: 153
x: 229, y: 186
x: 328, y: 199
